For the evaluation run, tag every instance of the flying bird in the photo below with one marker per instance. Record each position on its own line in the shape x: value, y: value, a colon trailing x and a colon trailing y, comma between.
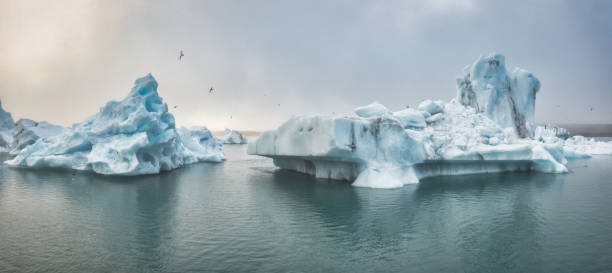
x: 211, y: 89
x: 181, y: 55
x: 591, y: 109
x: 175, y: 106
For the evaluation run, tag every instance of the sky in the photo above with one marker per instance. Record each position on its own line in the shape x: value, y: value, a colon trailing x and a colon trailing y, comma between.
x: 62, y: 60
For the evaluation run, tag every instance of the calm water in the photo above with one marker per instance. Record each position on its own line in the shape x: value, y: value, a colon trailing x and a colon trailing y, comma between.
x: 245, y: 216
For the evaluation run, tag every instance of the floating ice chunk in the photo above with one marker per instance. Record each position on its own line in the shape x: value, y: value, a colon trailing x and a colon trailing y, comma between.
x: 201, y: 145
x: 133, y: 136
x: 233, y: 137
x: 372, y: 110
x: 550, y: 133
x: 579, y: 146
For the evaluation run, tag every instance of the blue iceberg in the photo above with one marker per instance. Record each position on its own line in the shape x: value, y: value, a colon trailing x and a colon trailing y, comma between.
x: 488, y: 127
x: 134, y: 136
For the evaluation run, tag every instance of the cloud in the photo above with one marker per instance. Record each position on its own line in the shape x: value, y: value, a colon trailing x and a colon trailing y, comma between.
x: 65, y: 59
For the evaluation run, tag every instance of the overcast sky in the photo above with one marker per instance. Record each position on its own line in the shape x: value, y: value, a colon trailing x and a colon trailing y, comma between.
x: 62, y: 60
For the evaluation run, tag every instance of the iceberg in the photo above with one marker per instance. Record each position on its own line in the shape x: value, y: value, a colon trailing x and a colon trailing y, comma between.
x: 233, y: 137
x: 575, y: 146
x: 134, y: 136
x: 201, y: 144
x: 486, y: 128
x: 7, y: 126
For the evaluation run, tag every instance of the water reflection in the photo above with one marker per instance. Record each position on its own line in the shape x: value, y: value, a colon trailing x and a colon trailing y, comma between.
x: 493, y: 217
x: 244, y: 215
x: 108, y: 212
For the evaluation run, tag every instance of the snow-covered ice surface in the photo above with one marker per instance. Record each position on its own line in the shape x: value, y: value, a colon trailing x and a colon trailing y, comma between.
x: 487, y: 128
x: 6, y: 129
x: 133, y: 136
x: 233, y: 137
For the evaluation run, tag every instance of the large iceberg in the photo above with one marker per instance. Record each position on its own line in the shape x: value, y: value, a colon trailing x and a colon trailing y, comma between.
x: 233, y: 137
x: 134, y: 136
x: 7, y: 126
x: 384, y: 152
x: 487, y: 128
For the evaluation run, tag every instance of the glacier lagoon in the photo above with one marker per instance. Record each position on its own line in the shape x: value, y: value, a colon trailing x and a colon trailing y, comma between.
x: 245, y: 215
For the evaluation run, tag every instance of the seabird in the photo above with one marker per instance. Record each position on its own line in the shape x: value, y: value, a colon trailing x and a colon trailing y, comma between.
x: 211, y: 89
x: 181, y: 55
